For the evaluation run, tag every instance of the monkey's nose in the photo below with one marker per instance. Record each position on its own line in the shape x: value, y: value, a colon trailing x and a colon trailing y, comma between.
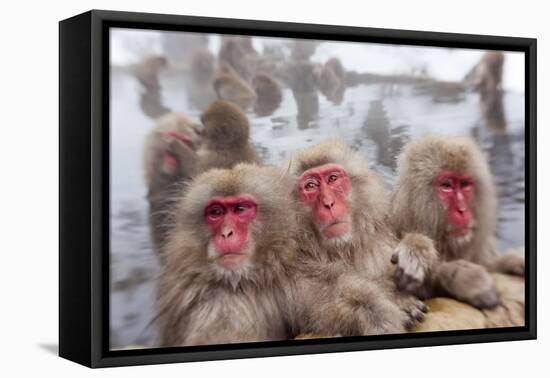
x: 328, y: 203
x: 227, y: 233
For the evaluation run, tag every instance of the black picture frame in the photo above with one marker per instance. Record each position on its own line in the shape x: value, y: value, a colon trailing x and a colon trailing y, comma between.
x: 84, y: 187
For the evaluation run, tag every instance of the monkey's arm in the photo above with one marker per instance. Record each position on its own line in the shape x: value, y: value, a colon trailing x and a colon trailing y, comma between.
x: 357, y: 306
x: 188, y: 159
x: 415, y: 258
x: 508, y: 263
x: 466, y: 281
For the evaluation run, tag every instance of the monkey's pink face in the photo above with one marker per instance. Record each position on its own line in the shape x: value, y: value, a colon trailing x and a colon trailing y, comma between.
x: 170, y: 163
x: 457, y: 194
x: 229, y: 218
x: 325, y: 189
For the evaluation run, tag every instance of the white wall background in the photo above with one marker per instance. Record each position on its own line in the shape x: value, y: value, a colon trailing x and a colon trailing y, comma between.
x: 29, y: 190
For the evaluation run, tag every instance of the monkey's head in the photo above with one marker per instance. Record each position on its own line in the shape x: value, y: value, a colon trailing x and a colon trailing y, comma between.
x: 340, y: 196
x: 445, y: 190
x: 235, y: 220
x: 170, y: 150
x: 225, y: 126
x: 268, y: 92
x: 303, y: 49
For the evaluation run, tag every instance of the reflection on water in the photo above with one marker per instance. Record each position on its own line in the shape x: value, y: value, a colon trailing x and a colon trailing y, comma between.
x: 376, y: 119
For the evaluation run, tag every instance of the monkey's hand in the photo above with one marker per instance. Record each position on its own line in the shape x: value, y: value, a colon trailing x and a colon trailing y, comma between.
x: 414, y: 310
x: 363, y: 307
x: 468, y: 282
x: 509, y: 264
x: 414, y: 257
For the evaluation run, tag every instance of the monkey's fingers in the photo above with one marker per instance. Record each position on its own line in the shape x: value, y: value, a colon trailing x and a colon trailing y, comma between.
x: 425, y: 308
x: 416, y: 312
x: 409, y: 324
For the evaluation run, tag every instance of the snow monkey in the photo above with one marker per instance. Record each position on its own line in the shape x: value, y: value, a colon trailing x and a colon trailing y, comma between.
x: 489, y: 72
x: 344, y: 284
x: 169, y: 160
x: 178, y: 149
x: 446, y: 192
x: 226, y: 137
x: 227, y: 257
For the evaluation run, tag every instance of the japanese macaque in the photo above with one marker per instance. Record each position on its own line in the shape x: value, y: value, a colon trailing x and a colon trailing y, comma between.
x: 202, y: 66
x: 493, y: 114
x: 486, y: 75
x: 445, y: 191
x: 169, y: 160
x: 147, y: 72
x: 489, y: 72
x: 230, y: 87
x: 202, y: 73
x: 268, y: 92
x: 225, y: 137
x: 303, y: 49
x: 344, y: 282
x: 150, y: 102
x: 238, y: 52
x: 300, y: 77
x: 489, y: 78
x: 332, y: 80
x: 227, y: 259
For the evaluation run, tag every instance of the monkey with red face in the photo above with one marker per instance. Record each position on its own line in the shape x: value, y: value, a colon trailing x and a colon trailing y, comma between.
x: 227, y: 258
x: 446, y: 192
x: 178, y: 149
x: 343, y: 284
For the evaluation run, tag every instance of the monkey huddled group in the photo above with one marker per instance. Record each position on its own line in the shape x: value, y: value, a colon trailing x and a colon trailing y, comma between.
x: 252, y: 252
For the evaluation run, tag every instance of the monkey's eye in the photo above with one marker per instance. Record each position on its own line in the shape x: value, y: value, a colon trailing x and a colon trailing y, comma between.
x: 241, y: 207
x: 310, y: 185
x: 466, y: 184
x: 214, y: 212
x: 333, y: 177
x: 446, y: 185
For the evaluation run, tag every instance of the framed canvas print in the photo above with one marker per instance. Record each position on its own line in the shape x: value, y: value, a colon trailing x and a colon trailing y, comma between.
x: 234, y: 188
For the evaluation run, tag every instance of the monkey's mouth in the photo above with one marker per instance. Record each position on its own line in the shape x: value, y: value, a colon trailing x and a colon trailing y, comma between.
x: 335, y: 229
x: 231, y: 259
x: 460, y: 232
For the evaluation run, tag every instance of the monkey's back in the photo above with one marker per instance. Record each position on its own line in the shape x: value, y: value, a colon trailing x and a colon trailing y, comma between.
x: 228, y: 157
